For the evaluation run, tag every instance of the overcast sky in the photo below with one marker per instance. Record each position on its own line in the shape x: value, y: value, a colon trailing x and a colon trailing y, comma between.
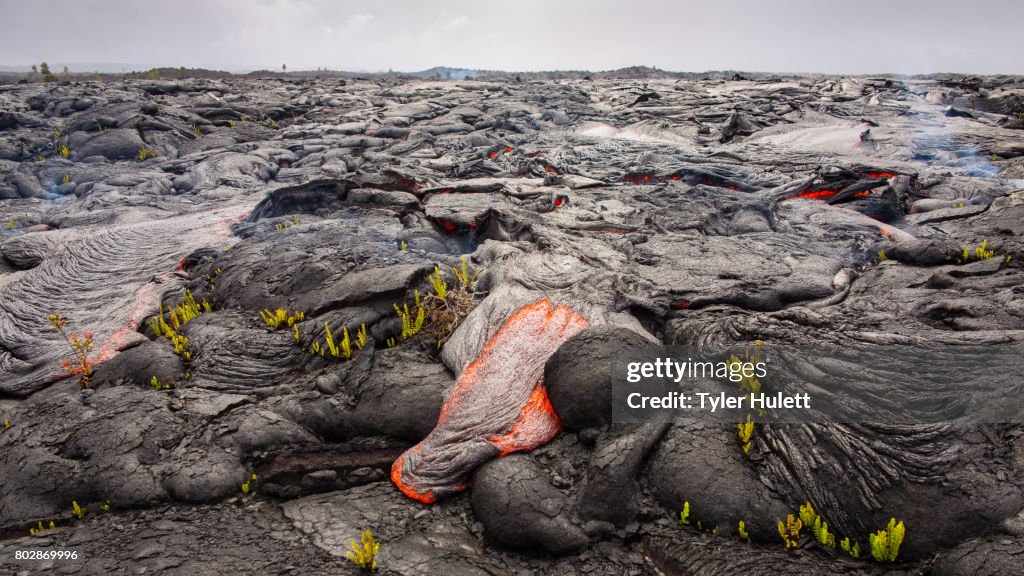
x: 857, y: 36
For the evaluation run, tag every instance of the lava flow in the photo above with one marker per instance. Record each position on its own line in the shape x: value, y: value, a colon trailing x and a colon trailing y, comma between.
x: 497, y: 406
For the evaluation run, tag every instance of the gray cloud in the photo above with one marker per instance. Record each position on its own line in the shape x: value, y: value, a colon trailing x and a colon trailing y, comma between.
x: 783, y: 35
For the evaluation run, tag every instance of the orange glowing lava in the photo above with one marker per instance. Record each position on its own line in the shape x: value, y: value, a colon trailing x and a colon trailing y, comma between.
x: 497, y: 406
x: 537, y: 418
x: 815, y: 194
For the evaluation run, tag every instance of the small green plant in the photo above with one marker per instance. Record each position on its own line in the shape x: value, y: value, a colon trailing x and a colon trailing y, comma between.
x: 364, y: 553
x: 885, y: 544
x: 882, y: 256
x: 404, y: 246
x: 105, y: 506
x: 790, y: 531
x: 66, y: 179
x: 853, y: 551
x: 64, y: 150
x: 821, y: 533
x: 448, y: 304
x: 279, y: 319
x: 79, y: 365
x: 360, y: 336
x: 39, y: 528
x: 344, y: 348
x: 77, y: 510
x: 464, y: 275
x: 749, y: 384
x: 440, y: 286
x: 742, y: 531
x: 10, y: 224
x: 197, y: 130
x: 684, y: 515
x: 746, y: 430
x: 145, y: 153
x: 981, y: 252
x: 7, y: 423
x: 211, y: 279
x: 159, y: 386
x: 249, y: 484
x: 390, y: 342
x: 807, y: 513
x: 177, y: 317
x: 411, y: 324
x: 295, y: 221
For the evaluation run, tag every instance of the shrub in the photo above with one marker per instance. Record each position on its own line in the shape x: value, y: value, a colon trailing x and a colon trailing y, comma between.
x: 80, y: 365
x: 448, y: 305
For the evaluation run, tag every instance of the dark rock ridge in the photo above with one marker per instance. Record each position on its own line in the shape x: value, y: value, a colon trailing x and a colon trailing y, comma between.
x: 603, y: 215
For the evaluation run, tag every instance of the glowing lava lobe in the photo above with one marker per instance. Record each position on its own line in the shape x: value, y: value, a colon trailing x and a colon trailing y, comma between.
x: 497, y: 406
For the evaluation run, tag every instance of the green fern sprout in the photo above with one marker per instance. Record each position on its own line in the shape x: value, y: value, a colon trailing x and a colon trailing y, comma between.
x: 440, y: 286
x: 885, y: 544
x: 790, y: 531
x: 346, y: 344
x: 742, y: 531
x: 364, y: 553
x: 465, y: 276
x: 411, y: 325
x: 197, y: 130
x: 361, y: 337
x: 684, y: 516
x: 77, y: 510
x: 64, y: 150
x: 331, y: 347
x: 853, y: 551
x: 746, y: 430
x: 821, y: 533
x: 807, y: 514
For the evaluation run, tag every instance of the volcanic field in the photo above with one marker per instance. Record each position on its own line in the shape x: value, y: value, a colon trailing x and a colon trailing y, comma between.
x: 244, y: 320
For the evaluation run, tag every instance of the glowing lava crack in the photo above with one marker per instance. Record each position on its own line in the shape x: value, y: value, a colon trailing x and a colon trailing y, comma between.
x: 497, y: 406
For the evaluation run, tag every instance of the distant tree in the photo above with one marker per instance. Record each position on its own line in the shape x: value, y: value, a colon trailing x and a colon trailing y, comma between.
x: 154, y: 73
x: 44, y: 69
x: 67, y: 72
x: 34, y: 73
x: 284, y: 68
x: 181, y: 72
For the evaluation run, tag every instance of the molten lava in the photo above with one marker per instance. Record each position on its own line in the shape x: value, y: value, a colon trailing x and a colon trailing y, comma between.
x: 497, y: 406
